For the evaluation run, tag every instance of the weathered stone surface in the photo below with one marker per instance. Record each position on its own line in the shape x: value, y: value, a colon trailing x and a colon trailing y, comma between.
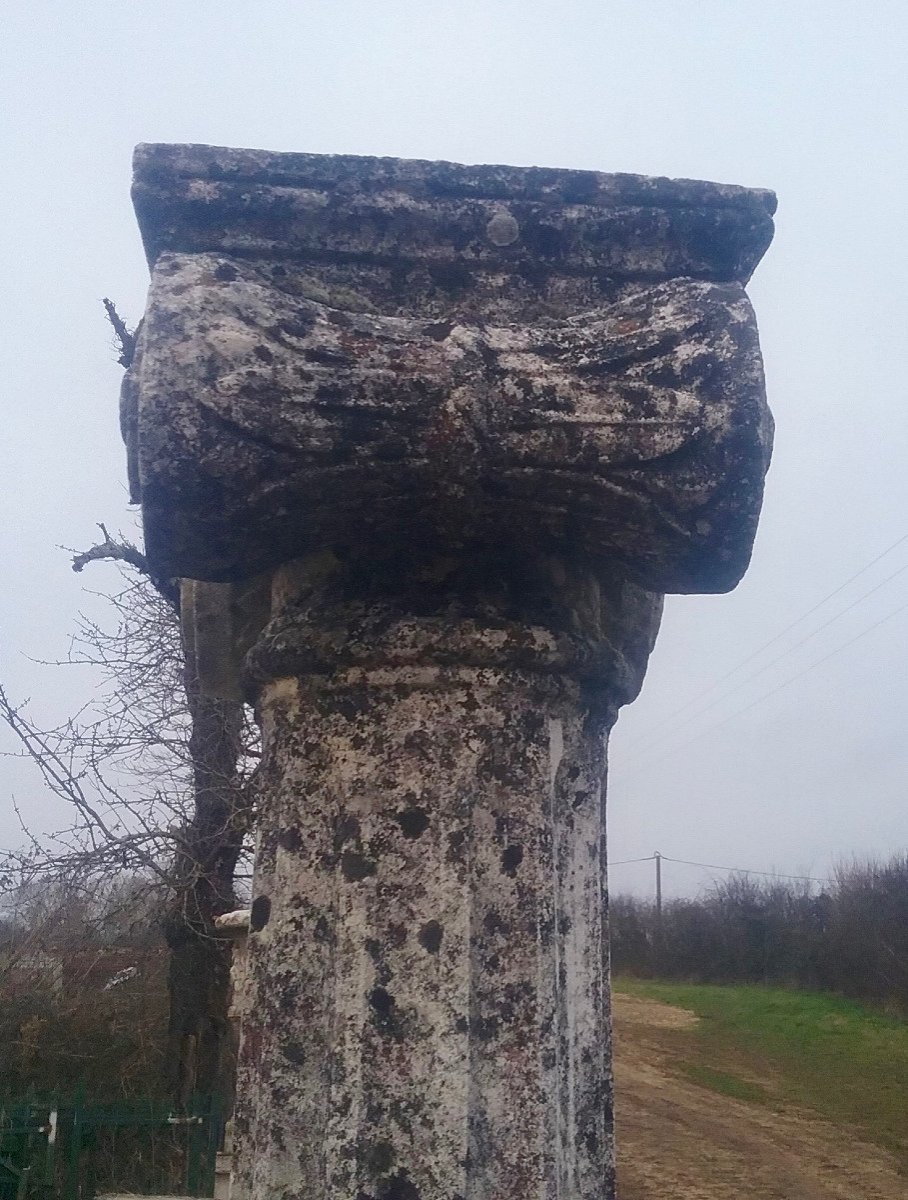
x: 464, y: 425
x: 537, y: 223
x: 429, y: 1006
x: 271, y: 426
x: 558, y: 376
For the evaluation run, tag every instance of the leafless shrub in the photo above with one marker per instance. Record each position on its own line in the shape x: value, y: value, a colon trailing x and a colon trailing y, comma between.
x: 157, y: 779
x: 850, y: 938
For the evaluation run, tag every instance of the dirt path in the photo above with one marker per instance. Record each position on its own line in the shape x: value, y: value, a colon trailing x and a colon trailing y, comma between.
x: 678, y: 1141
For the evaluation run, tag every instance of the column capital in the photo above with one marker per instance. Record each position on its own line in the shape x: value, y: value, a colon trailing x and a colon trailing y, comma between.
x: 339, y: 353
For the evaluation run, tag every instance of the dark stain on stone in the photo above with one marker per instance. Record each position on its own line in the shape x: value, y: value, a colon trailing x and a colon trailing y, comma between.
x: 385, y: 1015
x: 382, y: 1001
x: 329, y: 393
x: 580, y: 187
x: 511, y: 858
x: 263, y: 354
x: 327, y: 357
x: 456, y: 843
x: 490, y: 357
x: 496, y: 764
x: 225, y: 273
x: 392, y: 450
x: 356, y: 866
x: 545, y: 241
x: 533, y: 723
x: 399, y: 1187
x: 452, y: 277
x: 289, y: 839
x: 377, y: 1157
x: 373, y: 949
x: 439, y: 330
x: 413, y: 821
x: 534, y: 272
x: 286, y: 988
x: 346, y: 829
x: 260, y: 913
x: 277, y: 1136
x: 323, y: 931
x: 401, y: 1111
x: 495, y: 924
x: 485, y: 1029
x: 297, y: 327
x: 295, y: 1053
x: 430, y: 936
x: 399, y: 282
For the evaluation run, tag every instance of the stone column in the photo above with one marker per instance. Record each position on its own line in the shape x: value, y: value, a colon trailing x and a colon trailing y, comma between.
x: 429, y: 956
x: 472, y: 423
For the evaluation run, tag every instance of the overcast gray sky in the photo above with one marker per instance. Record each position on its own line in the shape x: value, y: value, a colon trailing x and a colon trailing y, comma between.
x: 804, y: 96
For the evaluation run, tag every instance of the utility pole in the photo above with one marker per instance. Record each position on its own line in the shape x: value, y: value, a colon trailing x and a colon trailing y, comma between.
x: 657, y: 858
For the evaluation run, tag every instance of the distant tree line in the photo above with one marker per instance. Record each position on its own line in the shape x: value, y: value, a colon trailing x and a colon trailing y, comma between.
x: 850, y: 938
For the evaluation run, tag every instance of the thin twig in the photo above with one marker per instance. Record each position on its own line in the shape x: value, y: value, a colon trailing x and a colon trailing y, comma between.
x: 126, y: 338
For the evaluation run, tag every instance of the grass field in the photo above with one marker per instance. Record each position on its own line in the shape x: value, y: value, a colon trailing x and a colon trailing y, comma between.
x: 776, y: 1047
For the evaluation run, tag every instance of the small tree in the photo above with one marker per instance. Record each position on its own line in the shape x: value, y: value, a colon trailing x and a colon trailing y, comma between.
x: 158, y: 779
x: 158, y: 776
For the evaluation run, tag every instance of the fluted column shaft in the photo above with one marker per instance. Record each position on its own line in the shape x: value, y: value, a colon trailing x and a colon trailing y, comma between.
x: 429, y: 1015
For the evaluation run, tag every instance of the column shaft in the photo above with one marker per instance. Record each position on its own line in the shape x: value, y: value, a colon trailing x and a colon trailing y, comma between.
x: 430, y: 1009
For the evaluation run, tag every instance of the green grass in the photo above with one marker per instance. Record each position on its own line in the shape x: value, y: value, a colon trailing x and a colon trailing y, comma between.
x: 724, y: 1083
x: 840, y: 1059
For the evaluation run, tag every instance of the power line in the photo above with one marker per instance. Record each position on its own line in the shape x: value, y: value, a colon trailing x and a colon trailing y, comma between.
x: 785, y: 683
x: 777, y: 637
x: 785, y: 653
x: 745, y: 871
x: 716, y: 867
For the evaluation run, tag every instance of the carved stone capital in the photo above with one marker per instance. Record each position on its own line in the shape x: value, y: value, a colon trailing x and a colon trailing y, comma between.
x: 289, y: 398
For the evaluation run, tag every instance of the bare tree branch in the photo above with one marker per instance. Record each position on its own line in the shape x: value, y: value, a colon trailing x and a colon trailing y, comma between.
x: 123, y: 551
x: 126, y: 338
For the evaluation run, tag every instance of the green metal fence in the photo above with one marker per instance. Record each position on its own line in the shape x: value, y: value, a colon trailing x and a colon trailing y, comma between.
x: 26, y: 1151
x: 74, y: 1150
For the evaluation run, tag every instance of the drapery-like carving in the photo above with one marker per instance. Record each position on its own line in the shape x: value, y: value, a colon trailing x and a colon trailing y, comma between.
x: 636, y: 430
